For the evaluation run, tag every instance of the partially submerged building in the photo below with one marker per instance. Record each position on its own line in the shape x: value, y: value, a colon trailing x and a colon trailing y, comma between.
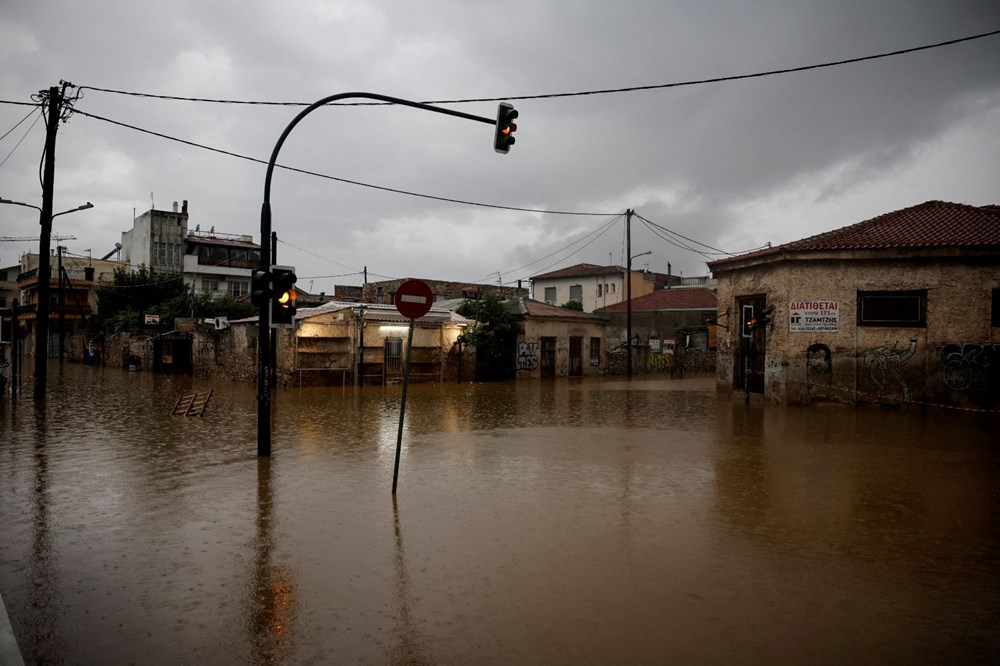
x: 901, y: 308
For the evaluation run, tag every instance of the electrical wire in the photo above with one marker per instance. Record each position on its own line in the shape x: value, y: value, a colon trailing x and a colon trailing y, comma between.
x: 690, y: 240
x: 658, y: 233
x: 601, y: 228
x: 604, y: 230
x: 319, y: 256
x: 335, y: 178
x: 606, y: 91
x: 26, y: 133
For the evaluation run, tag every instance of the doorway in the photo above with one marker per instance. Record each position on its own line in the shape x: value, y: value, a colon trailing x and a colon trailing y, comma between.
x: 548, y: 360
x: 751, y: 345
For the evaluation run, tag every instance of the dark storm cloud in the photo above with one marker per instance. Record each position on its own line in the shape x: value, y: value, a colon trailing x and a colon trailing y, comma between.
x: 732, y: 164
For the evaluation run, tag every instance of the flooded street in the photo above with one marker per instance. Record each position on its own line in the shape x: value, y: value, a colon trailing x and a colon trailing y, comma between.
x: 595, y: 521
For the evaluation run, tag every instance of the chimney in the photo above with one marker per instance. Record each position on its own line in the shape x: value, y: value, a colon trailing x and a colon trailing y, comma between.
x: 670, y: 280
x: 184, y: 208
x: 175, y: 206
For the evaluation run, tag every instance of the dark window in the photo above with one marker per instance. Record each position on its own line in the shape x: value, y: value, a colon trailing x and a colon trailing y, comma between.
x: 550, y: 295
x: 995, y: 308
x: 892, y: 308
x: 595, y: 351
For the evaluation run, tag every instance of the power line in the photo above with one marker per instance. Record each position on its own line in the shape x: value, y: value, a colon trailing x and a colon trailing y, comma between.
x: 691, y: 240
x: 335, y: 178
x: 603, y: 230
x: 25, y: 136
x: 606, y: 91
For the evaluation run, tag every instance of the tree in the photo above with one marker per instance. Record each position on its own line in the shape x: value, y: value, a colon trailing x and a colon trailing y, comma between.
x: 493, y: 334
x: 573, y: 305
x: 120, y: 305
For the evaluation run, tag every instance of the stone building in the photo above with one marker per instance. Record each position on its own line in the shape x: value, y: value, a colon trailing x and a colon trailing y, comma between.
x: 385, y: 291
x: 669, y: 326
x: 901, y: 308
x: 557, y: 342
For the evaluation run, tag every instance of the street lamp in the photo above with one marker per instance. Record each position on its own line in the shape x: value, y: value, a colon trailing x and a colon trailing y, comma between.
x: 44, y: 275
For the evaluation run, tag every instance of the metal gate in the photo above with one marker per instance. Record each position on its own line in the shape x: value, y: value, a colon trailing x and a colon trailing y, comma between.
x: 392, y: 362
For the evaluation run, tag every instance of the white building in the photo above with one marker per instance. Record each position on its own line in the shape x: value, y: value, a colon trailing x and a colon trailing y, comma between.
x: 211, y: 262
x: 592, y: 285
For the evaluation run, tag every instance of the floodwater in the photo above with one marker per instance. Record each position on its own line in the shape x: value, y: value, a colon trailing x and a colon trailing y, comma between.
x: 573, y: 521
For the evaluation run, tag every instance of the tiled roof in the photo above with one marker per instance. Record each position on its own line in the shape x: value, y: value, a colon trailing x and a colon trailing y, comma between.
x: 682, y: 298
x: 580, y: 270
x: 539, y: 310
x: 926, y: 225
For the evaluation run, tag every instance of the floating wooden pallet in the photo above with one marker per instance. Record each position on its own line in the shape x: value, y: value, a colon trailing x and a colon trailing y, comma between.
x: 192, y: 405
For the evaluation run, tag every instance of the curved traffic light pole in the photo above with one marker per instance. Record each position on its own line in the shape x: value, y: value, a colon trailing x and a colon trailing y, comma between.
x: 264, y: 338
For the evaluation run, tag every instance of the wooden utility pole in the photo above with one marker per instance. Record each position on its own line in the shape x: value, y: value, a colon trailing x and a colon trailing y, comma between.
x: 55, y: 99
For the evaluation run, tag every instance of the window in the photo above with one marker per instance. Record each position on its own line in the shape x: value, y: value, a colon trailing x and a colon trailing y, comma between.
x: 612, y: 286
x: 599, y: 291
x: 238, y: 288
x: 209, y: 286
x: 892, y: 308
x: 576, y: 293
x: 995, y: 308
x: 550, y: 295
x: 595, y: 351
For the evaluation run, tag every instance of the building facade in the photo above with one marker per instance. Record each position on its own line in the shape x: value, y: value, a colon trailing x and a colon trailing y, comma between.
x: 557, y: 342
x: 901, y: 308
x: 592, y: 285
x: 211, y: 262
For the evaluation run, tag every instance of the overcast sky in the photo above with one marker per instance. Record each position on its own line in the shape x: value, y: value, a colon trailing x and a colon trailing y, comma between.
x: 732, y: 165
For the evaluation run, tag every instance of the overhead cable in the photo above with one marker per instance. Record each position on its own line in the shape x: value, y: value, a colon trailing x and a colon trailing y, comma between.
x: 605, y: 91
x: 335, y: 178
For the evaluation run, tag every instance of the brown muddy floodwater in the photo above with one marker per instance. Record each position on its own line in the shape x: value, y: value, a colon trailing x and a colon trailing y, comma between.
x: 594, y: 521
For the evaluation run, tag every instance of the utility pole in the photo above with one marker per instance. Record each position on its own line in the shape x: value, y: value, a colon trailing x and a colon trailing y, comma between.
x: 628, y: 290
x: 55, y: 99
x: 274, y: 331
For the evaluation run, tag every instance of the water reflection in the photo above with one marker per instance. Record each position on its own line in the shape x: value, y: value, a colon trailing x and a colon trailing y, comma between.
x: 551, y: 522
x: 409, y: 647
x: 271, y: 600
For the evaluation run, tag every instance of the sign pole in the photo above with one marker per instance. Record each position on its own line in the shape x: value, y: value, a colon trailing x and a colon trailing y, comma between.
x: 402, y: 406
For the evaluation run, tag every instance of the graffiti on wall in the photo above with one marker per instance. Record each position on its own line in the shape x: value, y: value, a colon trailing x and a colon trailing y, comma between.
x: 527, y: 355
x: 971, y: 366
x: 660, y: 361
x: 885, y: 363
x: 819, y: 366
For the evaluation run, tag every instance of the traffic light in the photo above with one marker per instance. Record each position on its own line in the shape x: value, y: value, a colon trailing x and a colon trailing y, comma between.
x: 504, y: 137
x: 283, y: 296
x: 260, y: 287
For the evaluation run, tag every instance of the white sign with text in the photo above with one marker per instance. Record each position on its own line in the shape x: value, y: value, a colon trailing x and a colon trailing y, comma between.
x: 814, y: 316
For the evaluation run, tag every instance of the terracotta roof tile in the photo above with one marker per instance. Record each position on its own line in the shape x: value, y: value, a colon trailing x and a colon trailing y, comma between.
x: 693, y: 298
x: 538, y: 309
x: 930, y: 224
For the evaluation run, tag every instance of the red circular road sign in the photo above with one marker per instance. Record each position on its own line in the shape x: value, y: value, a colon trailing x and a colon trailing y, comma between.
x: 414, y: 299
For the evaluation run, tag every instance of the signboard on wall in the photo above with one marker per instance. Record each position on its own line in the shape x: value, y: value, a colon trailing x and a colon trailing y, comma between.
x: 814, y: 316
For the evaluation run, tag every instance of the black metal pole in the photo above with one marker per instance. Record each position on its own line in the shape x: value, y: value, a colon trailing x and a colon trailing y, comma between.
x: 628, y: 290
x: 62, y: 307
x: 402, y: 406
x: 264, y: 321
x: 15, y: 351
x: 44, y: 267
x: 274, y: 331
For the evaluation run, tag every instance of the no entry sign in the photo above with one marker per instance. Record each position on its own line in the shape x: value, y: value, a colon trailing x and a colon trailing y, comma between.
x: 414, y: 299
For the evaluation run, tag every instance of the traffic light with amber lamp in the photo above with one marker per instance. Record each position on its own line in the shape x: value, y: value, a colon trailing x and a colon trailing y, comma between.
x: 504, y: 137
x: 283, y: 296
x: 260, y: 287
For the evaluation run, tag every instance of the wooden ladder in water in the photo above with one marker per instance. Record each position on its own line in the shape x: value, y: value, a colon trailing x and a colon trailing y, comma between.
x: 192, y: 405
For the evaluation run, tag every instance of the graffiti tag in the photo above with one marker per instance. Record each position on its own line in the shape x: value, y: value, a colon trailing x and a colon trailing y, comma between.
x: 971, y: 366
x: 884, y: 363
x: 527, y: 355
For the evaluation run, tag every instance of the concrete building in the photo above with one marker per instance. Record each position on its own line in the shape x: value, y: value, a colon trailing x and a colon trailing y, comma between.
x: 557, y: 342
x: 72, y: 300
x: 667, y: 324
x: 385, y: 291
x: 592, y: 285
x: 211, y: 262
x: 901, y: 308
